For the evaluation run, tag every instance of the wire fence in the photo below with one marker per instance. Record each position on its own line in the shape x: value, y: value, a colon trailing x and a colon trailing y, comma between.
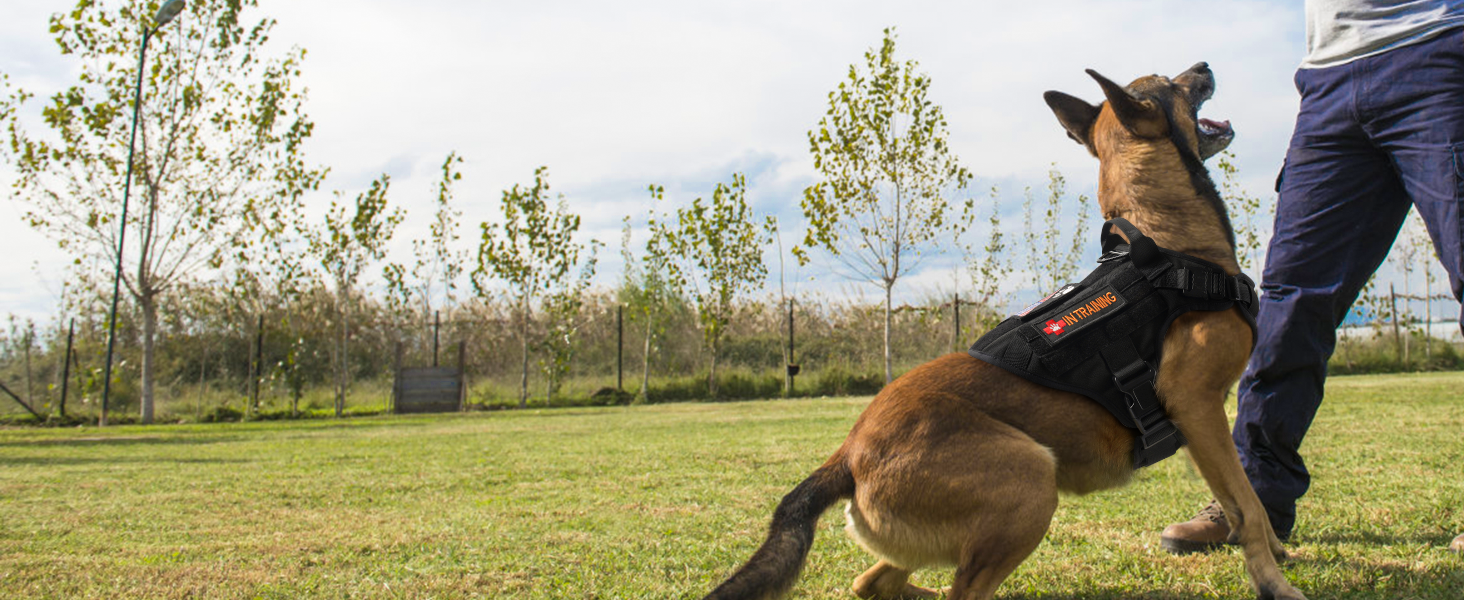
x: 281, y: 360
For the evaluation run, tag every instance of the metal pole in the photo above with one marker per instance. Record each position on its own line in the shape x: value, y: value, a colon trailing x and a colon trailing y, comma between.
x: 165, y: 14
x: 122, y: 231
x: 396, y: 380
x: 436, y: 327
x: 619, y: 347
x: 957, y: 306
x: 462, y: 375
x: 20, y: 402
x: 254, y: 366
x: 66, y: 370
x: 791, y: 361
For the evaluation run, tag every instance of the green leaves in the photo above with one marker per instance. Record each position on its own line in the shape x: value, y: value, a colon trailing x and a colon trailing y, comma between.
x: 218, y: 173
x: 355, y: 233
x: 1249, y: 235
x: 883, y: 153
x: 1052, y: 251
x: 533, y: 250
x: 713, y: 252
x: 887, y: 170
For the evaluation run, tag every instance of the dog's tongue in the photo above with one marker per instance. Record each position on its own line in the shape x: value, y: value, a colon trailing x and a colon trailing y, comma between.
x: 1216, y: 125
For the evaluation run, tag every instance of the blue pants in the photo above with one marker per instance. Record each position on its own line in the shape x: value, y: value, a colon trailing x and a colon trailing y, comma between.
x: 1372, y: 138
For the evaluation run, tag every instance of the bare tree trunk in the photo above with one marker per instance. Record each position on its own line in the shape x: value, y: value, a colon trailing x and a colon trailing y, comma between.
x: 149, y: 354
x: 889, y: 370
x: 524, y: 338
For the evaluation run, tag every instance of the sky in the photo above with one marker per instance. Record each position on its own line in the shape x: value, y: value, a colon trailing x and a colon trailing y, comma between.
x: 612, y: 97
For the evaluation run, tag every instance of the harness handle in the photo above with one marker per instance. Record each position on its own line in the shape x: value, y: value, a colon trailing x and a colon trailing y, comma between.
x: 1142, y: 250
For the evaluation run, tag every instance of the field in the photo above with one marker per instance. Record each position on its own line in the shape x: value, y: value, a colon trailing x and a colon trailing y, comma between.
x: 653, y: 502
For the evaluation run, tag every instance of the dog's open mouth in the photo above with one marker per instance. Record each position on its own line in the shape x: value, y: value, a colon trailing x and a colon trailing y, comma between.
x: 1214, y: 136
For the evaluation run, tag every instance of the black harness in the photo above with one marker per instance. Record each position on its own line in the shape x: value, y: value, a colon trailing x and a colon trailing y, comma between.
x: 1103, y: 337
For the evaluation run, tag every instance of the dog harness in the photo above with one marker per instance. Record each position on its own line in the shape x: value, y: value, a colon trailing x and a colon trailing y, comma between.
x: 1103, y: 337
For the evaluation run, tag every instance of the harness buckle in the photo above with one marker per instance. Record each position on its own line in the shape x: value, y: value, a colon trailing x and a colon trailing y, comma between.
x: 1131, y: 380
x: 1243, y: 292
x: 1204, y: 285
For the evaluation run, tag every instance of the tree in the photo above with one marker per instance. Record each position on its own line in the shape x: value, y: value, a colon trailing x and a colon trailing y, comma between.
x: 1052, y: 250
x: 438, y: 264
x: 1249, y: 236
x: 533, y: 251
x: 883, y: 151
x: 989, y: 272
x: 219, y: 144
x: 354, y: 236
x: 562, y: 322
x: 646, y: 288
x: 713, y: 253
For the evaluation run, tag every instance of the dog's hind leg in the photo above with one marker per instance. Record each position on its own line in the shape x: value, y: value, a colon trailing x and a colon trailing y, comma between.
x: 997, y: 553
x: 1015, y: 482
x: 885, y: 581
x: 1019, y: 496
x: 949, y: 485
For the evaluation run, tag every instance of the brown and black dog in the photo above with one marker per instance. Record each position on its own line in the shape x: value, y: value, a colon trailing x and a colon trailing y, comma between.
x: 960, y: 463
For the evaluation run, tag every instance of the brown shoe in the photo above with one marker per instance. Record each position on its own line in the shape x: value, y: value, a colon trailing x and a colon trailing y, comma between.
x: 1207, y: 531
x: 1458, y: 545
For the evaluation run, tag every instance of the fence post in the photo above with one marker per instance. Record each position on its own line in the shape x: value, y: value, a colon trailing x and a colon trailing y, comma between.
x: 957, y: 306
x: 792, y: 366
x: 620, y: 347
x: 436, y: 327
x: 396, y: 377
x: 76, y: 361
x: 30, y: 388
x: 254, y: 367
x: 1397, y: 338
x: 66, y: 366
x: 462, y: 375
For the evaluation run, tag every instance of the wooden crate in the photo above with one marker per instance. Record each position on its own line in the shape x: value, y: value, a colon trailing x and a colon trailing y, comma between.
x: 428, y: 390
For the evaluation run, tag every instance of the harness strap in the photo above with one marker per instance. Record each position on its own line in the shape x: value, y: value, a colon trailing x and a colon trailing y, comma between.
x: 1205, y: 284
x: 1158, y: 437
x: 1142, y: 250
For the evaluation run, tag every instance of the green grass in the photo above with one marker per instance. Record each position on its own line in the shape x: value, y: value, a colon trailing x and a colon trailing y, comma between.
x: 653, y: 502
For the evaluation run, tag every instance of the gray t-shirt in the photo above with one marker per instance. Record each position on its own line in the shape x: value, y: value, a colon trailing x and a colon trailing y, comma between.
x: 1340, y: 31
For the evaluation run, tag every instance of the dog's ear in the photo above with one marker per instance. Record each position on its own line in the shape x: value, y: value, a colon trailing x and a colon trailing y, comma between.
x: 1075, y: 114
x: 1141, y: 117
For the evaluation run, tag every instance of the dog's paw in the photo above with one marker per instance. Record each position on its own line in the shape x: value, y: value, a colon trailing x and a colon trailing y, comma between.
x: 915, y: 592
x: 1284, y: 593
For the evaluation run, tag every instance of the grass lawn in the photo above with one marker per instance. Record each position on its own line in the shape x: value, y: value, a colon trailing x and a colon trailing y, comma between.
x: 654, y: 502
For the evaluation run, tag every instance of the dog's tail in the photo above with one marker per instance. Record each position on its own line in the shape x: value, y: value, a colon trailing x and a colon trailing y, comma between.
x: 775, y: 566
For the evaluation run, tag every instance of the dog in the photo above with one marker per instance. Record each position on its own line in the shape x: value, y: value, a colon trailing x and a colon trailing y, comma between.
x: 959, y: 462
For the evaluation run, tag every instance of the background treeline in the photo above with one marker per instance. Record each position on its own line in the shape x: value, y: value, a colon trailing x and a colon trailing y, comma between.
x: 208, y: 345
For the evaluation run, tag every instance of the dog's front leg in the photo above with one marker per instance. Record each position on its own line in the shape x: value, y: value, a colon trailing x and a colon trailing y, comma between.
x: 1200, y: 416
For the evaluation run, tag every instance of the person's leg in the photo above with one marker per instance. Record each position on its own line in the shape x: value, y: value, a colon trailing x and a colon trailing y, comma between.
x: 1419, y: 121
x: 1409, y: 107
x: 1339, y: 209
